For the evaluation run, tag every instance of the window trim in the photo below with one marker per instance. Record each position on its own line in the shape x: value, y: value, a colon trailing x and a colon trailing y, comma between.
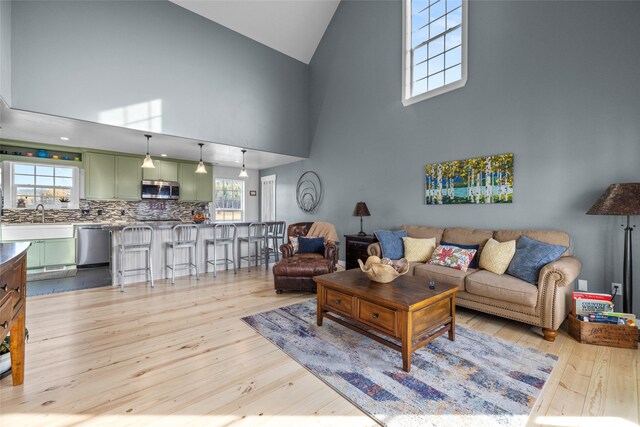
x: 243, y: 195
x: 407, y: 99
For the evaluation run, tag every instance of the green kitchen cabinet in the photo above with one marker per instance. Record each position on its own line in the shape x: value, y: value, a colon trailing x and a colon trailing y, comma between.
x: 165, y: 170
x: 187, y: 180
x: 195, y: 186
x: 50, y: 252
x: 153, y: 174
x: 99, y: 176
x: 35, y: 254
x: 59, y: 252
x: 204, y: 186
x: 169, y: 170
x: 128, y: 177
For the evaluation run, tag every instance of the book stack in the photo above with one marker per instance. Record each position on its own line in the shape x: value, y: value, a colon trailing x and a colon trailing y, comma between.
x: 598, y: 308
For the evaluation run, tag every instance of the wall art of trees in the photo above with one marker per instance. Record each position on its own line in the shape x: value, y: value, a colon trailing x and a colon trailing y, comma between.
x: 479, y: 181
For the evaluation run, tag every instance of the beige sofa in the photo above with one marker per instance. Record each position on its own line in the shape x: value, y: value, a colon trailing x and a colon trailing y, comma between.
x: 545, y: 305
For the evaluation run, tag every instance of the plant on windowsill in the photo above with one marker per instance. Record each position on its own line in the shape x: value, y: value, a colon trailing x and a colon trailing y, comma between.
x: 64, y: 201
x: 5, y: 357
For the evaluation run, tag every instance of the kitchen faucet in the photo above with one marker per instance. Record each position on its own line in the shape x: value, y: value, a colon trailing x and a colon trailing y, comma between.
x: 38, y: 208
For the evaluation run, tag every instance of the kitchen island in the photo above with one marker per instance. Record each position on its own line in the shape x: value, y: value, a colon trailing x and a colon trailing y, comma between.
x: 162, y: 233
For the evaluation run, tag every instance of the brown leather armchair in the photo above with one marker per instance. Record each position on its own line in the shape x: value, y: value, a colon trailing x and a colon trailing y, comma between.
x: 295, y: 272
x: 300, y: 229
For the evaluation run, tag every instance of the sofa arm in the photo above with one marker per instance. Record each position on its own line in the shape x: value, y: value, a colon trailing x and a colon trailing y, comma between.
x: 374, y: 249
x: 554, y: 294
x: 287, y: 250
x: 561, y: 272
x: 331, y: 251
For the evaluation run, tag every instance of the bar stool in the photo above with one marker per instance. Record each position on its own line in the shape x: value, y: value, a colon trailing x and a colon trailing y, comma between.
x: 258, y: 237
x: 223, y: 235
x: 276, y: 233
x: 183, y: 236
x: 135, y: 238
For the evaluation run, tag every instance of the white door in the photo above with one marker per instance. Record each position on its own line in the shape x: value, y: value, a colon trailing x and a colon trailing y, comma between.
x: 268, y: 198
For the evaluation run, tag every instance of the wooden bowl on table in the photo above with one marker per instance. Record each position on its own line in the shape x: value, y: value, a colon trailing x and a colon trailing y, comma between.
x: 384, y: 270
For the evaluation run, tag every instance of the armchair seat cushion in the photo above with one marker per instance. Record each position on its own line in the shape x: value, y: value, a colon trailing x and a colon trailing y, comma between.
x: 502, y: 288
x: 308, y: 265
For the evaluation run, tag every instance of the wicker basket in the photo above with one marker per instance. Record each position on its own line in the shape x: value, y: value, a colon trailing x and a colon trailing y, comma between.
x: 384, y: 270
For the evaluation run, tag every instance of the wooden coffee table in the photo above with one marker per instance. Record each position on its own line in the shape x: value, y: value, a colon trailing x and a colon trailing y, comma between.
x: 405, y: 310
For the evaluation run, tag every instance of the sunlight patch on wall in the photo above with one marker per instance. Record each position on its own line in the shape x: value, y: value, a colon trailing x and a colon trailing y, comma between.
x: 142, y: 116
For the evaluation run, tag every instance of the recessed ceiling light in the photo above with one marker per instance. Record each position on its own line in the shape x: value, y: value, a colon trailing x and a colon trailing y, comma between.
x: 237, y: 161
x: 163, y: 155
x: 64, y: 138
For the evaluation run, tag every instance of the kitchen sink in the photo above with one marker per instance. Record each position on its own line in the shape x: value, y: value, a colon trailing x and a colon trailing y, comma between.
x: 36, y: 231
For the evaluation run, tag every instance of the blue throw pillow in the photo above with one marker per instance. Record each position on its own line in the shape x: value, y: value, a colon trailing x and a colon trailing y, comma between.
x: 531, y: 255
x: 311, y: 245
x: 474, y: 260
x: 391, y: 243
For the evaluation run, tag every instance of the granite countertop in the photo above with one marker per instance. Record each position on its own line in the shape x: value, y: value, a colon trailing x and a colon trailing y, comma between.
x: 9, y: 251
x: 159, y: 225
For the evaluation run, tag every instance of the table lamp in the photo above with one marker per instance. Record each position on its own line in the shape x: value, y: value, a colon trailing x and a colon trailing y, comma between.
x: 361, y: 210
x: 623, y: 200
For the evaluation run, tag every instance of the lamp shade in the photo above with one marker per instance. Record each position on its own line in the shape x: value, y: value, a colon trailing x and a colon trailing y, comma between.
x: 619, y: 199
x: 361, y: 209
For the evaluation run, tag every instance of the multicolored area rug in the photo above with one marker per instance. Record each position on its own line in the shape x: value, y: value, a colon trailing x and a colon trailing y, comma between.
x: 475, y: 381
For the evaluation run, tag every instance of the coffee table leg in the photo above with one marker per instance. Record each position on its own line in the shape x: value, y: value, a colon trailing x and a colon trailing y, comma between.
x: 452, y: 331
x: 406, y: 342
x: 320, y: 296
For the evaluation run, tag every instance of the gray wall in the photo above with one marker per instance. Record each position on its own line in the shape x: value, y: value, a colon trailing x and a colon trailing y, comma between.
x: 77, y: 59
x: 555, y: 83
x: 5, y: 50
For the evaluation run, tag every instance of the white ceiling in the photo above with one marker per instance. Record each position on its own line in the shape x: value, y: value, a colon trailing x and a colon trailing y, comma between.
x: 35, y: 127
x: 293, y: 27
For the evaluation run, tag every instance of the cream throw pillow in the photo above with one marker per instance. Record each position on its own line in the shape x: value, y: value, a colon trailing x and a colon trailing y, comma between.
x: 418, y: 250
x: 496, y: 256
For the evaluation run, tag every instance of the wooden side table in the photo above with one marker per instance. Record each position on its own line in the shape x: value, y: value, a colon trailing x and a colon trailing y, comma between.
x: 356, y: 248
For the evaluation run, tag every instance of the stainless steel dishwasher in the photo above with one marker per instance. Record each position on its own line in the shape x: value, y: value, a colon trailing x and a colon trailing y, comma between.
x: 93, y: 245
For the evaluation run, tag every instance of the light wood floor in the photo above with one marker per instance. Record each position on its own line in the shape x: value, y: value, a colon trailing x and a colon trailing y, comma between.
x: 179, y: 355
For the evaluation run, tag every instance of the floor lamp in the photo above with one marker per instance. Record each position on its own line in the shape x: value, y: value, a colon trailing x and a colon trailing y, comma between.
x: 622, y: 200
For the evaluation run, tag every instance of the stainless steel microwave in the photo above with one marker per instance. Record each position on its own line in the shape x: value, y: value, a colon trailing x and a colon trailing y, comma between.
x: 160, y: 190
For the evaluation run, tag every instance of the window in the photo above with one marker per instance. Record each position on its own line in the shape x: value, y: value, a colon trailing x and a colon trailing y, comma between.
x: 435, y: 48
x: 32, y: 184
x: 229, y: 199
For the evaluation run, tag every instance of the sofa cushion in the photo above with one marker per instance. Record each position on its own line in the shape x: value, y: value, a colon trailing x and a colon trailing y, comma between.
x: 467, y: 236
x: 474, y: 259
x: 496, y: 256
x: 423, y: 232
x: 440, y: 274
x: 391, y: 243
x: 548, y: 236
x: 502, y: 288
x: 418, y: 250
x: 531, y: 255
x: 453, y: 257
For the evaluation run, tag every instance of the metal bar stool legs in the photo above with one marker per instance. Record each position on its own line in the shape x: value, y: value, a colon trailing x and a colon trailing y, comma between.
x: 184, y: 236
x: 223, y: 235
x: 135, y: 238
x: 257, y: 236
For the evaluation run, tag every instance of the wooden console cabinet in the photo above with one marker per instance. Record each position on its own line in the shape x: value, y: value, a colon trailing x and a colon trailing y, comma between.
x: 13, y: 287
x: 356, y: 248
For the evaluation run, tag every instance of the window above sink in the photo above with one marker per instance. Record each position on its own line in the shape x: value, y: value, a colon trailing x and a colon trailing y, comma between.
x: 28, y: 184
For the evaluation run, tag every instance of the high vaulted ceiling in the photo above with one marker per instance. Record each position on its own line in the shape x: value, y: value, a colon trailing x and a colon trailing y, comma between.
x: 293, y: 27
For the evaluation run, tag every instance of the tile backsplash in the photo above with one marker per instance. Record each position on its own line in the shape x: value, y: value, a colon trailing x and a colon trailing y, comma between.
x: 100, y: 210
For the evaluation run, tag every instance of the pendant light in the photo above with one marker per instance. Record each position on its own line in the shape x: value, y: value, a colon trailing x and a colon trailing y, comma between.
x: 201, y: 168
x: 243, y: 171
x: 148, y: 162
